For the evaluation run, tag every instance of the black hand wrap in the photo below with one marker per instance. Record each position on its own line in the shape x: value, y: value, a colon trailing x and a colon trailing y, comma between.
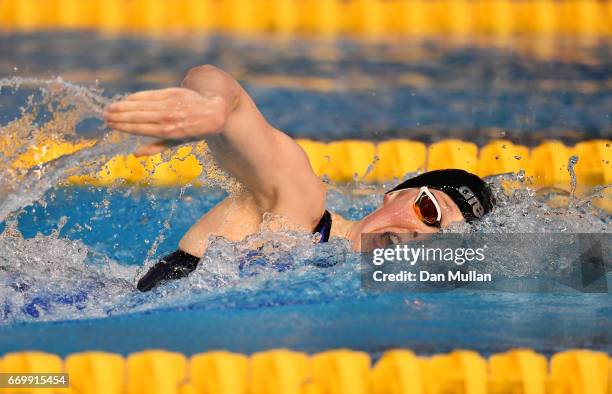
x: 173, y: 266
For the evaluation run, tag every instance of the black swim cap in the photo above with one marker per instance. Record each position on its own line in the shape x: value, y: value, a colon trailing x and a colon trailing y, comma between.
x: 471, y: 194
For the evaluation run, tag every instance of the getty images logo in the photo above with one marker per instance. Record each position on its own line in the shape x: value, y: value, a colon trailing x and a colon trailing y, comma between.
x: 470, y: 197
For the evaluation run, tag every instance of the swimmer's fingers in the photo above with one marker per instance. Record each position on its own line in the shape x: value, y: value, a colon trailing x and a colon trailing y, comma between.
x: 148, y: 129
x: 157, y: 95
x: 135, y: 105
x: 136, y: 117
x: 170, y: 114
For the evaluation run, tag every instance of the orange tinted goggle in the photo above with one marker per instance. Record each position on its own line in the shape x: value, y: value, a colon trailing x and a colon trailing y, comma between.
x: 427, y: 208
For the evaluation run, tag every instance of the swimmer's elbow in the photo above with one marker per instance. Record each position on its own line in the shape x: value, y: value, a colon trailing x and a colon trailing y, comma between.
x: 205, y: 69
x: 211, y: 81
x: 208, y: 78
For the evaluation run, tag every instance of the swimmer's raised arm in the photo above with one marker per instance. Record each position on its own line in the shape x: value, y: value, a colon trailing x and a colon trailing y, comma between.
x: 211, y: 105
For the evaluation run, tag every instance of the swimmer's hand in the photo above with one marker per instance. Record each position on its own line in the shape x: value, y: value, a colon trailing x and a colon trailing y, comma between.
x: 172, y: 115
x: 211, y: 105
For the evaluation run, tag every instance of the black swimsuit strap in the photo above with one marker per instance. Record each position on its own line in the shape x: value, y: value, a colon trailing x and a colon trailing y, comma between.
x: 324, y: 226
x: 180, y: 264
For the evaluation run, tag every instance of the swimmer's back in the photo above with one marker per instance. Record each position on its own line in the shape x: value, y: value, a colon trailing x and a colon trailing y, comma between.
x: 233, y: 218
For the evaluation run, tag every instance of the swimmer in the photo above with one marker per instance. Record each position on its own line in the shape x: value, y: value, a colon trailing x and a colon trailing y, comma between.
x: 275, y: 171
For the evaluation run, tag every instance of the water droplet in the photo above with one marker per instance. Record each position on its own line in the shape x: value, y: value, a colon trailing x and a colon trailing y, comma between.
x: 573, y: 160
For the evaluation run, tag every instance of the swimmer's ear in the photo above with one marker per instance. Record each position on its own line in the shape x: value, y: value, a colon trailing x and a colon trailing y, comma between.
x: 151, y: 149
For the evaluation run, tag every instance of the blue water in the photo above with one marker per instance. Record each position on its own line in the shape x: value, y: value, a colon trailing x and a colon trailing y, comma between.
x: 489, y: 324
x: 73, y: 289
x: 422, y: 89
x: 304, y: 307
x: 122, y: 229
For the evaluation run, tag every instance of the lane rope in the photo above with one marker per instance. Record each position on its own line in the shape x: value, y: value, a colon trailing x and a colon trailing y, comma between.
x: 376, y: 162
x: 333, y: 371
x: 585, y: 18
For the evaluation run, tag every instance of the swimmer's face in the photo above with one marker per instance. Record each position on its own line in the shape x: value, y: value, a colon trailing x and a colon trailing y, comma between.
x: 398, y: 216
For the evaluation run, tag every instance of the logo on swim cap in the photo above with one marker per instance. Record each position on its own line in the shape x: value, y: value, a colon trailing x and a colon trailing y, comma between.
x: 470, y: 197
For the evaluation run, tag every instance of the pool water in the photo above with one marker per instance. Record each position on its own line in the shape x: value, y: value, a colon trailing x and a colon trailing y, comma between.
x: 73, y: 289
x: 69, y: 256
x: 426, y: 89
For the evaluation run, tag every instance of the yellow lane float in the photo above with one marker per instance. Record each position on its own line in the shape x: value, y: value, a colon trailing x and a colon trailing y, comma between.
x: 219, y: 372
x: 336, y: 371
x: 371, y: 18
x: 346, y: 161
x: 155, y: 372
x: 96, y: 372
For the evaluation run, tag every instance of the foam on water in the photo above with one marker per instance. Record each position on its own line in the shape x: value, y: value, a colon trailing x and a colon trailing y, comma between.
x: 62, y: 111
x: 53, y: 110
x: 53, y: 278
x: 71, y: 275
x: 57, y: 278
